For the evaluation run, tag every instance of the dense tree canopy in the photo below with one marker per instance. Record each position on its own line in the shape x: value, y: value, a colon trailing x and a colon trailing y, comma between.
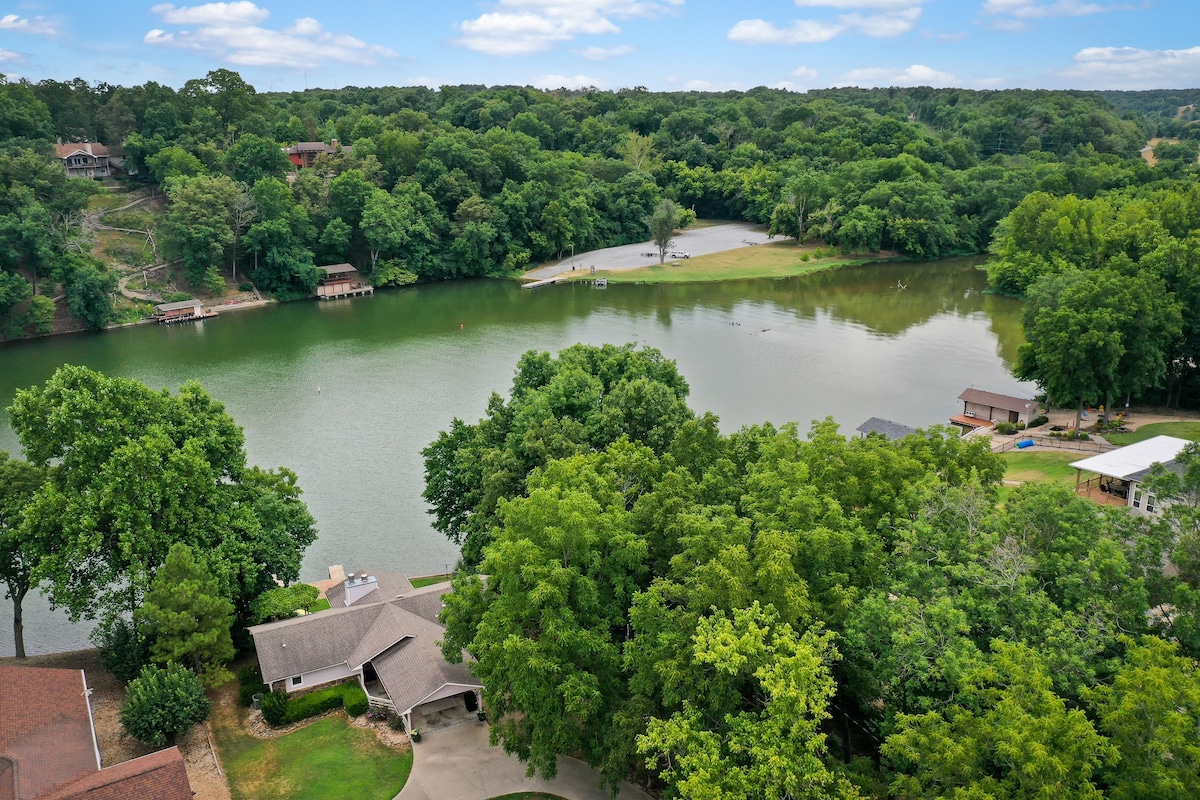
x: 764, y: 615
x: 131, y: 472
x: 469, y: 181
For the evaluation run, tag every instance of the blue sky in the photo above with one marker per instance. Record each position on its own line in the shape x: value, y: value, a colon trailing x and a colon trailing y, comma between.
x: 659, y: 44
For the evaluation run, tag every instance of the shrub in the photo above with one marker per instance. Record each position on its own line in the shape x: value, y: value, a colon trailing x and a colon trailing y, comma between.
x: 355, y: 700
x: 280, y: 709
x: 122, y: 650
x: 274, y: 708
x: 162, y: 703
x: 395, y: 721
x: 245, y: 286
x: 1006, y: 428
x: 176, y: 297
x: 1038, y: 421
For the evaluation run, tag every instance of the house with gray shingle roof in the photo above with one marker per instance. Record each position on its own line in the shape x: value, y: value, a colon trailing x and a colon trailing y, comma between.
x: 885, y: 428
x: 379, y: 630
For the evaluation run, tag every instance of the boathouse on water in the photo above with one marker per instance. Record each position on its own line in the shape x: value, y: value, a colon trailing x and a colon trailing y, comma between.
x: 341, y: 280
x: 182, y: 311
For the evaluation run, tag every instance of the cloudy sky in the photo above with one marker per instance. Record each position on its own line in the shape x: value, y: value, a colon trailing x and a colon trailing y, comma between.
x: 659, y: 44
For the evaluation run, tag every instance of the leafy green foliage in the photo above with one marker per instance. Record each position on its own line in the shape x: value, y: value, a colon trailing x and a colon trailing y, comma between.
x: 135, y: 471
x: 281, y: 709
x: 282, y: 602
x: 21, y: 551
x: 186, y: 619
x: 662, y: 224
x: 124, y: 651
x: 163, y: 702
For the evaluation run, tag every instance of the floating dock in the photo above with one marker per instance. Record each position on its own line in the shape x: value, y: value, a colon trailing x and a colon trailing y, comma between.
x: 542, y: 282
x: 207, y: 313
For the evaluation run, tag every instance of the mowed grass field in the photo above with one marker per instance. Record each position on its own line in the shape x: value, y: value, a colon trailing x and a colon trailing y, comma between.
x: 1041, y: 466
x: 1182, y: 430
x: 325, y: 759
x: 775, y: 260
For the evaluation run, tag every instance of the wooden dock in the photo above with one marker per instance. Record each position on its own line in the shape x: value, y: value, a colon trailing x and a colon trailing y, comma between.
x: 542, y: 282
x: 206, y: 314
x: 351, y: 292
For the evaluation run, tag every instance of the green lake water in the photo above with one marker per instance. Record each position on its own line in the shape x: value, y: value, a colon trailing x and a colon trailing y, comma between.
x: 394, y: 369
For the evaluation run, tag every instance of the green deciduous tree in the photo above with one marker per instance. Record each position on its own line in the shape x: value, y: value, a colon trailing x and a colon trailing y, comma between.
x: 186, y: 619
x: 198, y: 225
x: 769, y: 745
x: 662, y: 223
x: 20, y: 550
x: 1009, y: 736
x: 133, y: 471
x: 282, y: 602
x: 163, y: 702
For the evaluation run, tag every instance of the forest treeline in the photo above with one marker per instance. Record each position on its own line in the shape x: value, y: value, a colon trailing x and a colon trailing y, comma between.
x: 766, y: 614
x: 469, y: 181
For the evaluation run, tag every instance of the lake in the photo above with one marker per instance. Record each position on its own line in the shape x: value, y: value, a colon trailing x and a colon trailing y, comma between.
x: 346, y: 393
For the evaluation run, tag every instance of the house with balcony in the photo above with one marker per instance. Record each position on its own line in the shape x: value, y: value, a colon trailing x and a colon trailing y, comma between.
x: 984, y: 409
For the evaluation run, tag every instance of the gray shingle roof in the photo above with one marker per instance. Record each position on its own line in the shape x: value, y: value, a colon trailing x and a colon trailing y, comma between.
x: 389, y: 586
x: 415, y: 668
x: 425, y: 602
x: 179, y: 305
x: 303, y: 644
x: 338, y: 269
x: 1001, y: 401
x: 892, y: 430
x: 400, y: 637
x: 1141, y: 475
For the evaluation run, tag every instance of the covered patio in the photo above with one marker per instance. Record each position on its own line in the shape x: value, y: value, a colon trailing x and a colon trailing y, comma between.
x: 1118, y: 472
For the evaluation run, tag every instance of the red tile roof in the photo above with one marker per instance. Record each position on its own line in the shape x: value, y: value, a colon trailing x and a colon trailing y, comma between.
x: 46, y: 733
x: 46, y: 727
x: 158, y: 776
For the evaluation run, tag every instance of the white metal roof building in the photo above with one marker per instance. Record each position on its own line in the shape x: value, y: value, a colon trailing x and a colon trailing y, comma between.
x: 1125, y: 461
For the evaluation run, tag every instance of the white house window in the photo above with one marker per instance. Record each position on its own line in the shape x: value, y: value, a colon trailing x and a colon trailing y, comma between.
x: 1137, y: 498
x: 296, y: 680
x: 1150, y: 502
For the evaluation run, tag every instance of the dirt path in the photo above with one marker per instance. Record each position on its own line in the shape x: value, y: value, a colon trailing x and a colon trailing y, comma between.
x: 696, y: 242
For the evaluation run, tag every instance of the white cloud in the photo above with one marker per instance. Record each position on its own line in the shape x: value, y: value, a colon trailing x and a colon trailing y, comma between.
x: 1017, y: 15
x: 567, y: 82
x: 804, y: 73
x: 1132, y: 68
x: 242, y: 12
x: 226, y: 31
x: 916, y: 75
x: 594, y: 53
x: 524, y: 27
x: 896, y: 17
x: 801, y: 31
x: 9, y: 57
x: 37, y: 25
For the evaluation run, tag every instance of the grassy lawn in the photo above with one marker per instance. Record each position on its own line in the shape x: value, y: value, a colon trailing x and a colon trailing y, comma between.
x: 1041, y: 467
x: 323, y: 760
x: 428, y: 580
x: 1181, y: 430
x: 775, y: 260
x: 321, y: 604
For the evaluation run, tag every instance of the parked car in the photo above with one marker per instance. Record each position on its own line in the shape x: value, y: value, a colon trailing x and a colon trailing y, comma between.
x: 680, y: 254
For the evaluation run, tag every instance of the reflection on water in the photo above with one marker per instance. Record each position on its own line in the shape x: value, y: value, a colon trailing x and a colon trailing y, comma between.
x: 395, y: 368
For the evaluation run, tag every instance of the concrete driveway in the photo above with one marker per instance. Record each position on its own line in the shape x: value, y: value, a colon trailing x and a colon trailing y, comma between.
x: 456, y: 763
x: 697, y: 242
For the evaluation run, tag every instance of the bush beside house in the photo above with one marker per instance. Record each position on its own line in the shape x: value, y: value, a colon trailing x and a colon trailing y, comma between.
x: 279, y: 708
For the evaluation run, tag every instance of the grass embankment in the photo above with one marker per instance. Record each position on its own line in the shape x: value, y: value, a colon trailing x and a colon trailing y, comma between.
x: 1041, y: 467
x: 1180, y: 430
x: 774, y: 260
x: 328, y: 758
x: 322, y: 604
x: 428, y: 580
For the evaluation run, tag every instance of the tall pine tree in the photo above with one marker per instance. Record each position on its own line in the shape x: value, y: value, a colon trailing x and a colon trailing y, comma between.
x: 185, y: 617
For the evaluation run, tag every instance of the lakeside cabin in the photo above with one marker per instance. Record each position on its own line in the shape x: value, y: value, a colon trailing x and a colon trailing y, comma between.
x: 1120, y: 473
x: 182, y: 311
x: 984, y: 409
x: 341, y: 280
